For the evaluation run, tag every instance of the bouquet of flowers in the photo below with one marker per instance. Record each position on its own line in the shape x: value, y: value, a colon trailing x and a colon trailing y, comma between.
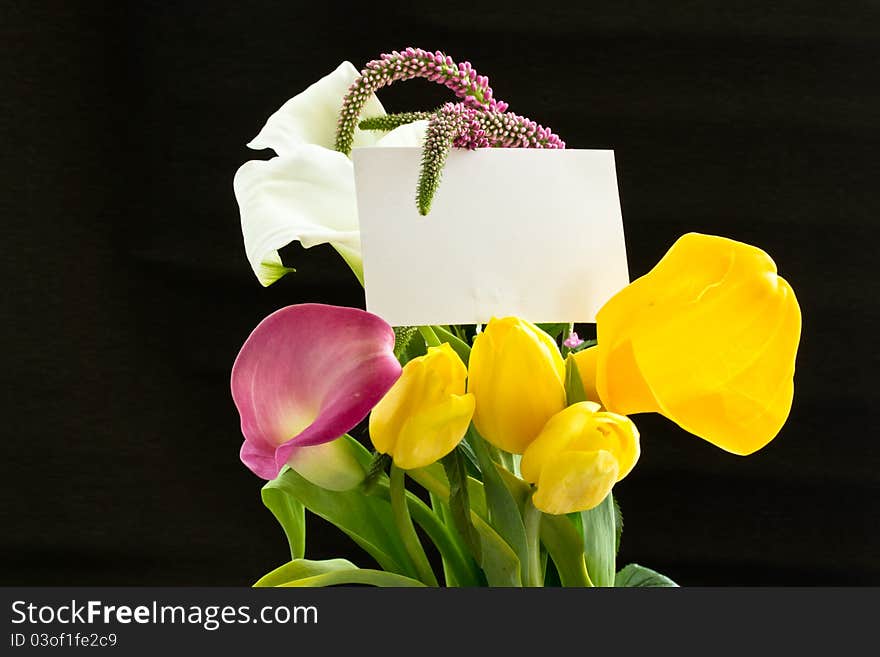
x: 499, y: 444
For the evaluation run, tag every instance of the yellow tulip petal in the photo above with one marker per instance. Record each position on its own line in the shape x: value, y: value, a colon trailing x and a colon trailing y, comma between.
x: 517, y: 375
x: 389, y: 415
x: 432, y: 433
x: 583, y: 428
x: 586, y: 361
x: 556, y: 437
x: 426, y: 413
x: 617, y: 434
x: 575, y: 481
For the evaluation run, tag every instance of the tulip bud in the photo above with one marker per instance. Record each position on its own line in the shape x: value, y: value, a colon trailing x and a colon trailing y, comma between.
x: 578, y: 456
x: 426, y: 412
x: 708, y: 338
x: 518, y: 378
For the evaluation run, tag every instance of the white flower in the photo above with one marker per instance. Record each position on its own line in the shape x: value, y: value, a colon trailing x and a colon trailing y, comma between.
x: 307, y: 192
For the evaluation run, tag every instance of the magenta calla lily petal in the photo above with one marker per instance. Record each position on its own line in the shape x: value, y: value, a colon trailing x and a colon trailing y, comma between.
x: 306, y: 375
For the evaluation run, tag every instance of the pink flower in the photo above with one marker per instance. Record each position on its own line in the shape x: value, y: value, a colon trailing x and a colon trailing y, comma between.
x: 305, y: 376
x: 573, y: 340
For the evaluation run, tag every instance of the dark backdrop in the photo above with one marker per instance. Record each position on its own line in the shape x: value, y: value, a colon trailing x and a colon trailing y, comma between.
x: 127, y: 293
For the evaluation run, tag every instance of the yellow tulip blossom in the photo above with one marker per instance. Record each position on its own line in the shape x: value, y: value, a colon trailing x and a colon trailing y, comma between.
x: 518, y: 377
x: 707, y: 338
x: 578, y: 456
x: 426, y: 412
x: 586, y: 365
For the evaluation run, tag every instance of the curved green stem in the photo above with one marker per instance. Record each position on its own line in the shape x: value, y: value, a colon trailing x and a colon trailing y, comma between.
x: 532, y: 521
x: 400, y: 510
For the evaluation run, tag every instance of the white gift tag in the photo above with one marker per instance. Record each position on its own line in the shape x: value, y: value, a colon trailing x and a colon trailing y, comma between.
x: 526, y: 232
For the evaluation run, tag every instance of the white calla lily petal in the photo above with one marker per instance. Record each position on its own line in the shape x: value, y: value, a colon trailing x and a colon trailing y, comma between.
x: 306, y: 196
x: 411, y: 134
x: 311, y: 116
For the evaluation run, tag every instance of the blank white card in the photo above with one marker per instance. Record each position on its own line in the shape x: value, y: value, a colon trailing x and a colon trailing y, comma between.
x: 526, y: 232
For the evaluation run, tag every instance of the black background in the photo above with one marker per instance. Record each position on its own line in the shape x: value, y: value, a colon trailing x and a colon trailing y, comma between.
x: 127, y: 293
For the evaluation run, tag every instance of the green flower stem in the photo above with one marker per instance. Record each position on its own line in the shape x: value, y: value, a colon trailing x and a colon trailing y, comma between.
x: 431, y: 338
x: 462, y: 567
x: 532, y: 521
x: 400, y: 510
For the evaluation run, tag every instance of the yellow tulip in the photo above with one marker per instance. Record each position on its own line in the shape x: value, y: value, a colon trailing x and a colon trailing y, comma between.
x: 586, y: 365
x: 518, y: 377
x: 426, y: 412
x: 578, y: 456
x: 707, y: 338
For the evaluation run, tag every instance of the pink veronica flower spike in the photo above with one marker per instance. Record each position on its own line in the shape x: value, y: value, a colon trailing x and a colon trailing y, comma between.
x: 306, y: 376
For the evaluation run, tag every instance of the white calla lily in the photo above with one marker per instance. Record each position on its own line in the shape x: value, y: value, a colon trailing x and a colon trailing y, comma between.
x: 307, y: 193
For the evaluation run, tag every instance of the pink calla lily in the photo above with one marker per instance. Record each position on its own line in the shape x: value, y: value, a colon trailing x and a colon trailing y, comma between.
x: 306, y: 375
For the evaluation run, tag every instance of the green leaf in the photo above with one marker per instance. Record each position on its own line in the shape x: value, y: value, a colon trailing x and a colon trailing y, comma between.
x: 551, y: 574
x: 291, y: 515
x: 408, y: 343
x: 505, y: 514
x: 301, y: 568
x: 554, y: 330
x: 565, y: 545
x: 618, y: 525
x: 600, y: 541
x: 366, y: 519
x: 433, y: 478
x: 471, y: 462
x: 458, y: 345
x: 574, y: 386
x: 449, y: 544
x: 586, y: 344
x: 636, y: 575
x: 499, y: 562
x: 376, y: 472
x: 358, y: 576
x: 302, y: 572
x: 444, y: 515
x: 459, y: 501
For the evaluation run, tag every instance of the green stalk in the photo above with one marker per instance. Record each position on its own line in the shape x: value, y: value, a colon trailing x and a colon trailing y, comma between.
x: 532, y: 521
x: 400, y: 510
